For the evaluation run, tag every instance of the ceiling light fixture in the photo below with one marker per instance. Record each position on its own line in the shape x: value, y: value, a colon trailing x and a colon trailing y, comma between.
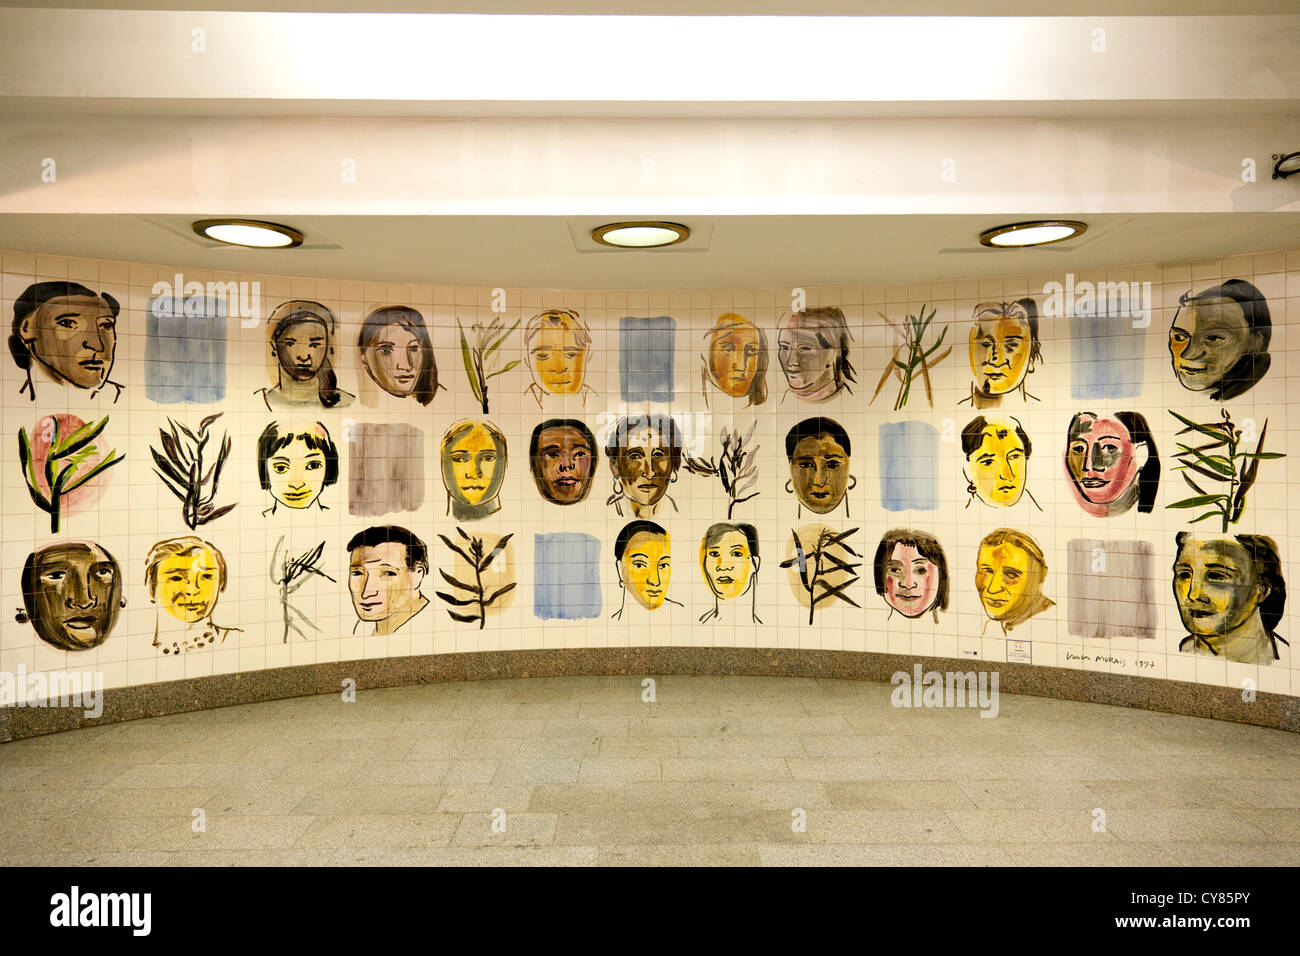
x: 249, y: 232
x: 640, y: 235
x: 1041, y: 232
x: 1284, y: 166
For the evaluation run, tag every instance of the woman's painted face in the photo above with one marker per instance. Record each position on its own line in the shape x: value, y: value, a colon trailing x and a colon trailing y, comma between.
x: 644, y: 465
x: 474, y: 458
x: 394, y: 360
x: 1216, y: 586
x: 819, y: 471
x: 1101, y: 459
x: 1003, y: 576
x: 999, y: 464
x: 563, y: 466
x: 911, y: 581
x: 1207, y: 339
x: 733, y: 359
x: 809, y: 365
x: 646, y: 567
x: 301, y: 349
x: 296, y: 473
x: 188, y: 584
x: 999, y: 353
x: 77, y: 588
x: 727, y: 564
x: 559, y: 361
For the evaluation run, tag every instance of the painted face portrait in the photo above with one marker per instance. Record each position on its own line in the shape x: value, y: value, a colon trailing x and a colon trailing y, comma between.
x: 563, y: 456
x: 380, y: 582
x: 301, y: 349
x: 818, y: 452
x: 72, y: 592
x: 1009, y: 575
x: 187, y: 585
x: 911, y: 573
x: 1103, y: 463
x: 1219, y: 338
x: 644, y: 454
x: 997, y: 460
x: 999, y: 353
x: 473, y: 467
x: 727, y: 561
x: 73, y: 338
x: 397, y: 353
x: 296, y: 465
x: 557, y: 346
x: 301, y: 339
x: 735, y: 352
x: 646, y: 567
x: 1216, y: 586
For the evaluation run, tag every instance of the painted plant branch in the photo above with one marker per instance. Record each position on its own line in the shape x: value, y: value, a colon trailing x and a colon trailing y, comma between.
x: 291, y: 573
x: 64, y: 460
x: 1223, y: 460
x: 180, y: 465
x: 818, y: 563
x: 911, y: 354
x: 478, y: 352
x: 479, y: 559
x: 737, y: 467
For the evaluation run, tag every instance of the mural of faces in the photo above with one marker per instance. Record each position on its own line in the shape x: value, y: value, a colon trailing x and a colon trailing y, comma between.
x: 296, y: 463
x: 1112, y: 463
x: 68, y: 333
x: 644, y: 452
x: 813, y: 348
x: 1003, y: 347
x: 563, y: 457
x: 72, y: 592
x: 386, y: 568
x: 186, y: 576
x: 1009, y: 574
x: 397, y: 353
x: 644, y: 564
x: 473, y: 468
x: 818, y: 452
x: 301, y: 339
x: 911, y: 573
x: 1219, y: 339
x: 736, y: 358
x: 556, y: 347
x: 729, y: 559
x: 1230, y: 595
x: 997, y: 460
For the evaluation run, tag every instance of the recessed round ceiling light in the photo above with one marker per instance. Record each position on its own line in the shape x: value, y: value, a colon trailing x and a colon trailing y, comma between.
x: 1284, y: 166
x: 640, y: 235
x: 1038, y: 233
x: 249, y: 232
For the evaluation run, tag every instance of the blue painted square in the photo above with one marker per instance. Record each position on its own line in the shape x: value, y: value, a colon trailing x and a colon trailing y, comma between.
x: 645, y: 357
x: 1105, y: 357
x: 566, y: 576
x: 909, y: 466
x: 185, y: 350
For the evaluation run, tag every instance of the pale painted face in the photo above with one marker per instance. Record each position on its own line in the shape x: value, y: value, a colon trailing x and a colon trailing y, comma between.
x: 188, y: 584
x: 394, y: 360
x: 1102, y: 459
x: 296, y: 474
x: 1216, y: 586
x: 559, y: 360
x: 1207, y: 339
x: 646, y: 567
x: 911, y: 581
x: 999, y: 353
x: 727, y: 565
x: 380, y: 582
x: 808, y: 363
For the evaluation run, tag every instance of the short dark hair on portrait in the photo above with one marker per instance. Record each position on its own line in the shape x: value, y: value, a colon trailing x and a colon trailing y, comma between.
x: 631, y: 530
x: 972, y: 436
x: 272, y: 440
x: 811, y: 428
x: 715, y: 532
x: 426, y: 382
x: 1250, y: 368
x: 927, y: 546
x: 536, y: 441
x: 35, y: 296
x: 417, y: 555
x: 666, y: 425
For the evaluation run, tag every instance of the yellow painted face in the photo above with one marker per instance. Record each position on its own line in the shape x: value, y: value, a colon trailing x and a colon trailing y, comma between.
x: 559, y: 361
x: 727, y: 564
x: 296, y: 474
x: 646, y: 566
x: 473, y: 463
x: 998, y: 465
x: 733, y: 356
x: 188, y: 584
x: 1003, y: 577
x: 999, y: 353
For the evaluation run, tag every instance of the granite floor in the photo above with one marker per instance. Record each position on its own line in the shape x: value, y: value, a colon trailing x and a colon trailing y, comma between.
x: 718, y: 770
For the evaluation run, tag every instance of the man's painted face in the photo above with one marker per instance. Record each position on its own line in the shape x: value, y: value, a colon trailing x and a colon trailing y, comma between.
x: 1004, y: 577
x: 188, y: 584
x: 999, y: 353
x: 474, y: 458
x: 563, y: 466
x: 559, y: 361
x: 998, y: 465
x: 296, y: 473
x: 76, y: 590
x: 646, y: 567
x: 301, y: 349
x: 75, y: 337
x: 733, y: 359
x: 1216, y: 586
x: 1102, y: 459
x: 727, y: 564
x: 911, y: 581
x: 644, y: 464
x: 380, y: 582
x: 809, y: 365
x: 1207, y: 339
x: 394, y: 360
x: 819, y: 471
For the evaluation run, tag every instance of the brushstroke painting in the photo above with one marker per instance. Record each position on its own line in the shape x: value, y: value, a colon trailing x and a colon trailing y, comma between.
x: 557, y: 348
x: 189, y: 465
x: 1004, y: 350
x: 911, y: 573
x: 65, y: 334
x: 644, y: 565
x: 72, y: 591
x: 473, y: 457
x: 62, y: 466
x: 909, y: 466
x: 185, y: 577
x: 481, y: 579
x: 736, y: 468
x: 646, y: 357
x: 1112, y: 463
x: 386, y: 470
x: 1224, y: 467
x: 911, y: 355
x: 1219, y: 339
x: 822, y: 565
x: 997, y: 454
x: 1111, y: 587
x: 1231, y: 595
x: 185, y: 350
x: 735, y: 360
x: 729, y: 560
x: 1010, y: 569
x: 644, y: 453
x: 1107, y: 359
x: 295, y: 463
x: 300, y: 337
x: 566, y: 576
x: 397, y: 353
x: 481, y: 352
x: 387, y: 565
x: 813, y: 349
x: 817, y: 451
x: 290, y: 573
x: 562, y: 457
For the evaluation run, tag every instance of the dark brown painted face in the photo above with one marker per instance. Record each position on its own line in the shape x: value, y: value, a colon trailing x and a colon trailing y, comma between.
x: 563, y: 465
x: 645, y: 465
x: 72, y: 595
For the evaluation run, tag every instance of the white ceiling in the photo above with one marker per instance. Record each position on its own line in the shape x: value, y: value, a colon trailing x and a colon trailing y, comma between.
x: 913, y: 8
x: 727, y: 252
